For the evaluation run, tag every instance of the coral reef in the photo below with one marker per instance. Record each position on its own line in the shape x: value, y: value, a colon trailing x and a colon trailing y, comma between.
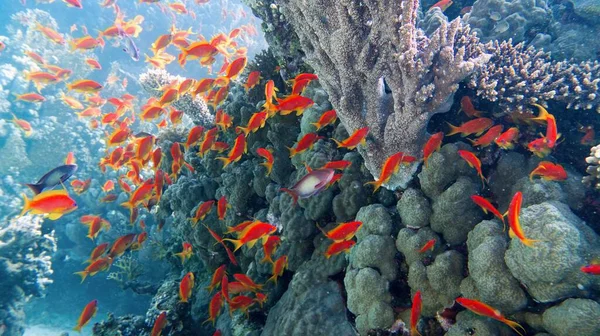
x: 573, y: 317
x: 25, y: 268
x: 352, y: 57
x: 593, y: 168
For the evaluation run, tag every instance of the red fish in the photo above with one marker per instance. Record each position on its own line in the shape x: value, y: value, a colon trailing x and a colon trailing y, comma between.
x: 252, y: 234
x: 473, y: 162
x: 513, y: 220
x: 433, y: 144
x: 270, y: 93
x: 236, y: 67
x: 186, y: 253
x: 216, y: 278
x: 31, y: 97
x: 97, y: 252
x: 121, y: 245
x: 339, y: 165
x: 293, y: 103
x: 99, y: 265
x: 93, y: 63
x: 430, y: 245
x: 486, y: 206
x: 222, y: 207
x: 338, y: 247
x: 214, y: 307
x: 23, y: 125
x: 54, y: 203
x: 185, y: 287
x: 549, y: 171
x: 239, y: 148
x: 256, y: 122
x: 306, y: 142
x: 483, y: 309
x: 415, y: 313
x: 551, y: 131
x: 591, y: 269
x: 507, y: 139
x: 87, y: 313
x: 358, y: 137
x: 269, y: 248
x: 85, y: 85
x: 489, y: 137
x: 252, y: 80
x: 327, y: 118
x: 475, y: 126
x: 279, y: 267
x: 344, y: 231
x: 249, y: 283
x: 267, y: 154
x: 159, y: 324
x: 466, y: 105
x: 203, y: 210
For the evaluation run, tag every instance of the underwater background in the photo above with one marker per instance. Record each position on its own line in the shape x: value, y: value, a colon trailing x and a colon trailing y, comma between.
x: 299, y: 167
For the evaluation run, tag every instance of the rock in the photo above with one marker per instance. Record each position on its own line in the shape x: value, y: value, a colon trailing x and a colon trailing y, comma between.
x: 410, y: 241
x: 468, y: 323
x: 414, y: 209
x: 573, y: 317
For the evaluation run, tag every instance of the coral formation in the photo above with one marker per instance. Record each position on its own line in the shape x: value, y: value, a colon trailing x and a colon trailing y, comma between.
x: 593, y: 168
x: 573, y: 317
x: 25, y: 268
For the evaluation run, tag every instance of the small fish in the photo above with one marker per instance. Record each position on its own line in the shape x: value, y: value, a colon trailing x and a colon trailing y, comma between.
x: 186, y: 253
x: 327, y: 118
x: 99, y: 265
x: 475, y: 126
x: 270, y: 94
x: 589, y: 136
x: 429, y: 245
x: 88, y: 312
x: 551, y: 131
x: 201, y: 212
x: 225, y: 288
x: 473, y: 162
x: 85, y: 85
x: 267, y: 154
x: 94, y: 64
x: 54, y: 203
x: 260, y: 298
x: 256, y: 122
x: 443, y: 5
x: 338, y: 247
x: 224, y: 120
x: 108, y: 186
x: 311, y: 184
x: 549, y: 171
x: 240, y: 147
x: 415, y: 313
x: 344, y: 231
x: 293, y: 103
x: 244, y: 279
x: 23, y: 125
x: 31, y: 97
x: 539, y: 147
x: 591, y: 269
x: 358, y: 137
x: 513, y: 220
x: 214, y: 307
x: 433, y: 144
x: 483, y: 309
x: 216, y: 278
x: 236, y: 67
x: 129, y: 46
x: 53, y: 178
x: 278, y: 268
x: 269, y: 248
x: 488, y: 138
x: 252, y: 80
x: 252, y: 234
x: 507, y: 139
x: 186, y: 286
x: 241, y: 303
x: 486, y: 206
x: 121, y: 245
x: 305, y: 143
x: 222, y: 207
x: 389, y: 168
x: 97, y: 252
x: 159, y: 324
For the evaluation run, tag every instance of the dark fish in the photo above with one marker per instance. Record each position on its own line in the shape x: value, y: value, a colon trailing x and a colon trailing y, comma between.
x: 128, y: 45
x: 53, y: 178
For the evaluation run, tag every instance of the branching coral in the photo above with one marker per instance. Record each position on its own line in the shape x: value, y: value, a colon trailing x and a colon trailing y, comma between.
x: 128, y: 269
x: 593, y: 168
x: 25, y: 268
x: 353, y: 45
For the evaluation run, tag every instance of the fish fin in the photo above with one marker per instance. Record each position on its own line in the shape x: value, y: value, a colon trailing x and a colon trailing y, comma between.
x: 252, y: 243
x: 529, y: 242
x: 453, y: 129
x: 322, y: 230
x: 514, y: 326
x: 339, y: 144
x: 317, y: 126
x: 511, y: 233
x: 36, y: 188
x: 292, y: 152
x: 225, y: 161
x: 236, y: 243
x: 77, y: 328
x: 376, y: 185
x: 82, y: 274
x: 26, y: 206
x: 291, y: 193
x: 181, y: 256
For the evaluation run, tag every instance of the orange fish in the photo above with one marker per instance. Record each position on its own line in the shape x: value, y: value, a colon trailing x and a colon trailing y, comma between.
x: 30, y: 97
x: 338, y: 247
x: 203, y: 210
x: 239, y: 148
x: 539, y: 147
x: 507, y: 139
x: 475, y: 126
x: 483, y: 309
x: 279, y: 267
x: 252, y: 234
x: 216, y: 278
x: 207, y: 143
x: 466, y: 105
x: 54, y: 203
x: 473, y: 162
x: 121, y: 245
x: 249, y: 283
x: 50, y: 33
x: 340, y: 164
x: 141, y: 194
x: 95, y: 226
x: 161, y: 43
x: 222, y: 207
x: 549, y: 171
x: 551, y: 131
x: 23, y: 125
x: 196, y: 50
x: 202, y: 86
x: 194, y: 136
x: 97, y: 252
x: 513, y: 220
x: 159, y: 324
x: 223, y: 120
x: 299, y: 86
x: 93, y: 63
x: 486, y: 206
x: 269, y: 248
x: 86, y: 315
x: 81, y: 186
x: 185, y: 287
x: 429, y: 245
x: 433, y: 144
x: 256, y: 122
x: 389, y: 168
x: 415, y: 313
x: 214, y: 308
x: 489, y: 137
x: 260, y: 298
x: 344, y: 231
x: 591, y: 269
x: 270, y: 94
x: 99, y: 265
x: 293, y: 103
x: 108, y: 186
x: 186, y: 253
x: 252, y: 80
x: 241, y: 303
x: 327, y: 118
x: 267, y: 154
x: 71, y: 102
x: 306, y: 142
x: 35, y: 57
x: 236, y: 67
x: 358, y: 137
x: 141, y: 238
x: 85, y: 85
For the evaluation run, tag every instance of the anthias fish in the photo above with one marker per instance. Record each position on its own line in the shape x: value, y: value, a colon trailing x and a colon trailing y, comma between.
x: 53, y: 178
x: 311, y: 184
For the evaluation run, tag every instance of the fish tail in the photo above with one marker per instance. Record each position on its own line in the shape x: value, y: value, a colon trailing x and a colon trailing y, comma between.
x: 529, y: 242
x: 241, y: 129
x: 77, y: 328
x: 268, y: 166
x: 82, y: 274
x: 181, y: 256
x: 267, y: 258
x: 414, y: 331
x: 36, y: 188
x: 339, y: 144
x: 376, y: 185
x: 291, y: 193
x: 273, y: 278
x: 292, y: 152
x: 453, y: 129
x: 237, y: 243
x: 317, y: 126
x: 226, y: 161
x: 69, y: 86
x: 127, y: 205
x: 321, y: 229
x: 26, y: 206
x: 181, y: 59
x: 514, y: 326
